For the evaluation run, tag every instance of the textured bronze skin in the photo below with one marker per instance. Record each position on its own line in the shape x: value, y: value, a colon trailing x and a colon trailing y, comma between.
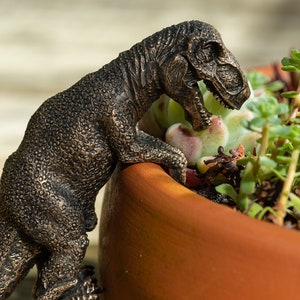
x: 74, y: 140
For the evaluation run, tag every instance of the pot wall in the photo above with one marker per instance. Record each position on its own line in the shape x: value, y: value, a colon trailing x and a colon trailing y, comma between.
x: 159, y: 240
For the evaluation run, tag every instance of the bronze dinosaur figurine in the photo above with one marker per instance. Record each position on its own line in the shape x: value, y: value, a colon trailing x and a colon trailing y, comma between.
x: 74, y: 140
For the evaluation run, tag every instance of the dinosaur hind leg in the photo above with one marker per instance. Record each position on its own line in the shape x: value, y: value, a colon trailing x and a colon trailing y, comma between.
x: 58, y: 272
x: 64, y: 240
x: 16, y: 259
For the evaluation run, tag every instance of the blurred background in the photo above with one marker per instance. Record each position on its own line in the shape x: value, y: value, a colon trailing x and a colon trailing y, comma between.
x: 45, y: 46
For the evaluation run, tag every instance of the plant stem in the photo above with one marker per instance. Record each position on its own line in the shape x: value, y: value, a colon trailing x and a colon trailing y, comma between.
x: 265, y: 139
x: 287, y: 185
x: 263, y: 147
x: 295, y: 107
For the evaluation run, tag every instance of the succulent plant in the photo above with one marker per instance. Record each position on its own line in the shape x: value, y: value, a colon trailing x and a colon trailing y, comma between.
x: 251, y: 155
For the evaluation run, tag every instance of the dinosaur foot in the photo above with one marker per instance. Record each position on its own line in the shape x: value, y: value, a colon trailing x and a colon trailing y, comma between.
x: 86, y: 287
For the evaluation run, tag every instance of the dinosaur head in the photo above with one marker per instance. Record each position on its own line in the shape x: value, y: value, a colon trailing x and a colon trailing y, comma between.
x: 212, y: 62
x: 203, y: 56
x: 209, y: 60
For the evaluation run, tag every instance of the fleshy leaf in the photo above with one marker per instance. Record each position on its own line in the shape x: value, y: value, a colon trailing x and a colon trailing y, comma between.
x: 228, y: 190
x: 267, y: 162
x: 291, y: 94
x: 295, y: 200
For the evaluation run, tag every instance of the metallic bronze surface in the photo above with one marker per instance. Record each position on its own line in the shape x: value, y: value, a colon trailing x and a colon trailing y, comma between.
x: 74, y: 140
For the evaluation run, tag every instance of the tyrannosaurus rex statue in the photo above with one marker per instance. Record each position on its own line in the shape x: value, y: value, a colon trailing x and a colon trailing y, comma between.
x: 74, y: 140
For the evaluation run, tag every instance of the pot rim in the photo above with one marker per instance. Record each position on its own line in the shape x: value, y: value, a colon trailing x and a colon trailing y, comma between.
x: 149, y: 174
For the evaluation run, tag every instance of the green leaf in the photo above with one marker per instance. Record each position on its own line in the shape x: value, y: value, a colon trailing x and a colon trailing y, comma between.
x: 243, y: 203
x: 257, y: 79
x: 289, y: 204
x: 295, y: 200
x: 286, y: 61
x: 247, y: 185
x: 159, y: 111
x: 264, y: 211
x: 295, y: 121
x: 283, y: 159
x: 290, y: 94
x: 214, y: 106
x: 295, y: 54
x: 243, y: 161
x: 267, y: 162
x: 275, y: 86
x: 175, y: 113
x: 249, y: 207
x: 252, y: 106
x: 256, y: 124
x: 291, y: 64
x: 265, y: 107
x: 289, y: 68
x: 292, y: 133
x: 245, y: 123
x: 228, y: 190
x: 254, y: 209
x: 283, y: 108
x: 282, y: 131
x: 295, y: 135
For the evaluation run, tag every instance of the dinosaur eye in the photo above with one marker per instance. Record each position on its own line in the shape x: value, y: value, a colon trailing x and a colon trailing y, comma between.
x: 211, y: 51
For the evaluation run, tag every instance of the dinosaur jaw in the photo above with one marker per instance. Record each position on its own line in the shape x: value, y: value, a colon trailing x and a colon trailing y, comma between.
x: 195, y: 112
x: 229, y: 100
x: 222, y: 100
x: 198, y: 115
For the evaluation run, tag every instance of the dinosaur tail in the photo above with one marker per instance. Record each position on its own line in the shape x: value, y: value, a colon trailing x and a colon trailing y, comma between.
x: 16, y: 258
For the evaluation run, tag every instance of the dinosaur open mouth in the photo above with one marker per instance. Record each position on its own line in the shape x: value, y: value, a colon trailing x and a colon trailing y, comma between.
x: 196, y: 113
x: 217, y: 95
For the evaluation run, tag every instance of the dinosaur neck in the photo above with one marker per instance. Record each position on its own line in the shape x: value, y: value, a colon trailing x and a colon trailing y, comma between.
x: 140, y: 67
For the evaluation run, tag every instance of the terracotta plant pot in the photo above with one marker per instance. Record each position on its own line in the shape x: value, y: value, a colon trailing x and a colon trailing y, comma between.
x: 159, y: 240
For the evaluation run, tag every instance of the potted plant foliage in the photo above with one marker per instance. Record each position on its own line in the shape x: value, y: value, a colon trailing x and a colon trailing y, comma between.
x: 161, y: 240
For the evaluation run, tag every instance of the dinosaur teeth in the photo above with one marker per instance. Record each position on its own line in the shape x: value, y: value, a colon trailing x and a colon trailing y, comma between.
x: 212, y: 89
x: 222, y: 102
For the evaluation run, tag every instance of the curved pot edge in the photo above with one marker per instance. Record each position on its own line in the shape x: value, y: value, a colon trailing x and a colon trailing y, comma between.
x: 152, y: 173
